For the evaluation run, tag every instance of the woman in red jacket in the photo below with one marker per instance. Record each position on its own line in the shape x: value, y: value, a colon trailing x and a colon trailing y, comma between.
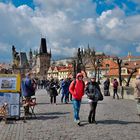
x: 77, y: 90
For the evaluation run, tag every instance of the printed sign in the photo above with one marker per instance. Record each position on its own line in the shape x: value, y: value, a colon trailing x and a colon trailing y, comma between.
x: 13, y: 101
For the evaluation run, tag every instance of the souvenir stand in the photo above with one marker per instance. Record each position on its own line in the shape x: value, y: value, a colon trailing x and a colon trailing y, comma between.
x: 10, y: 94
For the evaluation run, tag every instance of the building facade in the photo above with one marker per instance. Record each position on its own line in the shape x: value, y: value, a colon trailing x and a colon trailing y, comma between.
x: 41, y: 60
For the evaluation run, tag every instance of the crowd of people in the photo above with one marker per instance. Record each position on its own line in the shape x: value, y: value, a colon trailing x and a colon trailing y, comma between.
x: 71, y: 90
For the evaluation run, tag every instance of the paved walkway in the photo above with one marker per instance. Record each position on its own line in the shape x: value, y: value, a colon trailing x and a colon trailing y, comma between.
x: 117, y: 120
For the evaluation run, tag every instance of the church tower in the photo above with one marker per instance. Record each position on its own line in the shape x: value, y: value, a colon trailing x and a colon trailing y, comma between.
x: 43, y: 59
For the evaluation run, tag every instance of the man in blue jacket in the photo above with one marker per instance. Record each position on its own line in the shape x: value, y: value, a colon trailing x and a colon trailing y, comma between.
x: 64, y: 90
x: 27, y: 89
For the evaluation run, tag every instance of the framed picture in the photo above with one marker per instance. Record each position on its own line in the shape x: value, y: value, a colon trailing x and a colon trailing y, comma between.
x: 14, y: 110
x: 10, y: 83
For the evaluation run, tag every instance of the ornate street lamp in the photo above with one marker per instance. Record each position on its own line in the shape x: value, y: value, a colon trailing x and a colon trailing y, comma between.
x: 98, y: 69
x: 77, y: 63
x: 74, y: 69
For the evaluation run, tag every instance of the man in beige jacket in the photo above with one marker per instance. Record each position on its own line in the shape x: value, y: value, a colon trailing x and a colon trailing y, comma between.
x: 138, y: 93
x: 138, y: 86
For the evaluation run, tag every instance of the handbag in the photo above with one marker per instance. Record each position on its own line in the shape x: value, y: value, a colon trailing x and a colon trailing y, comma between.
x: 91, y: 96
x: 100, y: 98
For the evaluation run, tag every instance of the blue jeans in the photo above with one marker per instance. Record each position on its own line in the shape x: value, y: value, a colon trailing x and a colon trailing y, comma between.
x: 64, y: 96
x: 76, y: 107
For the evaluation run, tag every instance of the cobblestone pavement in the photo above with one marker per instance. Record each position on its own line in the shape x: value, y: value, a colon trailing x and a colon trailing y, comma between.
x: 117, y: 120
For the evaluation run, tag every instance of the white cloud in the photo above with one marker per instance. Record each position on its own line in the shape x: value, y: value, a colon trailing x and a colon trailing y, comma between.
x: 66, y: 24
x: 59, y: 21
x: 114, y: 22
x: 88, y: 27
x: 115, y: 26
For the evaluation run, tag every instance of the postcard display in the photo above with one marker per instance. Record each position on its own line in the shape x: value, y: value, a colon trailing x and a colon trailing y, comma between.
x: 10, y: 93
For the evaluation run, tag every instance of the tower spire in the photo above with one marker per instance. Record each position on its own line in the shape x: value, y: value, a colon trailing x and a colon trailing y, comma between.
x: 43, y: 46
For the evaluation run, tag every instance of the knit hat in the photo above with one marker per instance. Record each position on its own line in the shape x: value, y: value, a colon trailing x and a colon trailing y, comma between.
x: 92, y: 77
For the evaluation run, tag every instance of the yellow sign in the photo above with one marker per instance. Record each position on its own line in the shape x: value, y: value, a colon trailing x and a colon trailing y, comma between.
x: 10, y: 83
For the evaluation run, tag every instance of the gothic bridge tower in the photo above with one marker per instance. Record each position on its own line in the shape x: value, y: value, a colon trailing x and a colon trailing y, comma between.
x: 43, y: 59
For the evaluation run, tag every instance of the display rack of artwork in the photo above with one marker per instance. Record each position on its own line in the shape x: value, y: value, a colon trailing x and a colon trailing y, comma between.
x: 10, y: 93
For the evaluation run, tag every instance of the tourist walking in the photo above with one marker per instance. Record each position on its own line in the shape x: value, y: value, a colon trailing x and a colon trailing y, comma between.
x: 77, y: 90
x: 53, y: 86
x: 106, y: 87
x: 138, y: 93
x: 92, y: 90
x: 64, y: 91
x: 115, y: 88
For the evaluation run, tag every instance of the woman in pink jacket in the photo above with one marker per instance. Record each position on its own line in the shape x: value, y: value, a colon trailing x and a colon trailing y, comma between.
x: 77, y: 90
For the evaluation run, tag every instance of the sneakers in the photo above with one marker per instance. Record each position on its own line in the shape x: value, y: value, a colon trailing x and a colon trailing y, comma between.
x: 94, y: 122
x: 77, y: 122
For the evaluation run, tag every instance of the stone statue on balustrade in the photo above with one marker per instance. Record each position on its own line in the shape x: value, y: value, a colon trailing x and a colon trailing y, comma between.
x: 79, y: 61
x: 16, y: 58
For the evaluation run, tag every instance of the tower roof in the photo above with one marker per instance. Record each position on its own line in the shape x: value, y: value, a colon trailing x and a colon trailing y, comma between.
x: 43, y: 46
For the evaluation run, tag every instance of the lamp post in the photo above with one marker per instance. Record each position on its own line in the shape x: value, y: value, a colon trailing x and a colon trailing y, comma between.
x: 79, y: 61
x: 98, y: 69
x: 74, y: 69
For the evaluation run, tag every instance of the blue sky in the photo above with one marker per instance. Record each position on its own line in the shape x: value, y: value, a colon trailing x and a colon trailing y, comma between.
x: 17, y: 3
x: 111, y: 26
x: 103, y: 5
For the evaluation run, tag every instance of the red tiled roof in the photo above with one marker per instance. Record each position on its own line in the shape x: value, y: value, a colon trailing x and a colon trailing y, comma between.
x: 113, y: 72
x: 131, y: 64
x: 111, y: 64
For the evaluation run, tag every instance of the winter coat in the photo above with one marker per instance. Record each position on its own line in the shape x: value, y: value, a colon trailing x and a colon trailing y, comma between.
x: 137, y: 87
x: 90, y: 89
x: 106, y: 85
x: 53, y: 88
x: 115, y: 84
x: 65, y: 87
x: 76, y: 88
x: 27, y: 87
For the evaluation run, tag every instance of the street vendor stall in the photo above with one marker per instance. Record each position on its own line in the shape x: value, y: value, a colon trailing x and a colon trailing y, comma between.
x: 10, y: 94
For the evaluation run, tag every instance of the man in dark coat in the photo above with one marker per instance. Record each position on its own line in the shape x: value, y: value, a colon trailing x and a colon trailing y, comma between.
x: 106, y: 87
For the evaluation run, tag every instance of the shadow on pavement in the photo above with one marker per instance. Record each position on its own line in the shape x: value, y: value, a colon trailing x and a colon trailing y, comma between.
x: 84, y: 122
x: 42, y: 103
x: 46, y: 117
x: 116, y: 122
x: 53, y: 113
x: 39, y: 118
